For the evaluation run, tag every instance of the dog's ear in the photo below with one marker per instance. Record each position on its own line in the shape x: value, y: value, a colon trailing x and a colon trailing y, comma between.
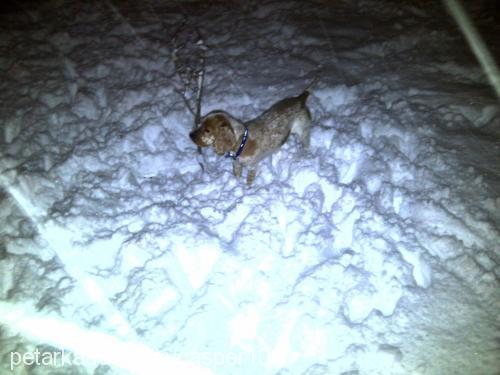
x: 225, y: 138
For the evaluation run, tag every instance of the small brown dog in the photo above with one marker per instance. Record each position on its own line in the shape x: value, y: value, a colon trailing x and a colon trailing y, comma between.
x: 248, y: 143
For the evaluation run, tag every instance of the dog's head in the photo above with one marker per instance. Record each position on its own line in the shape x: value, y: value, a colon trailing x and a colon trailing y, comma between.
x: 215, y: 130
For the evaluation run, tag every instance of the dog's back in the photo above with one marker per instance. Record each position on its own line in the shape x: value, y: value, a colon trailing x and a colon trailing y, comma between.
x: 273, y: 127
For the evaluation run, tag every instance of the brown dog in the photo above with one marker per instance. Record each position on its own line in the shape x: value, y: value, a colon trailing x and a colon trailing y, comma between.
x: 248, y: 143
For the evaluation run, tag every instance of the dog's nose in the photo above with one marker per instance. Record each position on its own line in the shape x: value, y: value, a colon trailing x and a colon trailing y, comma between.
x: 191, y: 135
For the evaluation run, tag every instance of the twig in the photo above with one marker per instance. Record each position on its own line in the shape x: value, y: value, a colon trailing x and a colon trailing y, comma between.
x: 189, y: 60
x: 199, y: 93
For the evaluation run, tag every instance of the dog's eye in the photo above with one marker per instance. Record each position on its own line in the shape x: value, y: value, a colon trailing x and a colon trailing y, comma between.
x: 207, y: 130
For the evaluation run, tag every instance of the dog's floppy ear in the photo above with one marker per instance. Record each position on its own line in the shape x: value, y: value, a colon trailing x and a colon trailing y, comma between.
x: 225, y: 138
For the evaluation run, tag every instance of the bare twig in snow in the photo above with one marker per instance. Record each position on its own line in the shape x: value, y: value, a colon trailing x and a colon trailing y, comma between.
x: 189, y: 61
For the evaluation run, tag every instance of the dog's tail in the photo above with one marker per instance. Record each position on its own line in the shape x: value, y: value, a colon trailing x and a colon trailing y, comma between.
x: 305, y: 94
x: 303, y: 98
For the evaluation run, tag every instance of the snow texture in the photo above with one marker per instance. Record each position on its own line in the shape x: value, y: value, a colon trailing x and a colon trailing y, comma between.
x: 375, y: 251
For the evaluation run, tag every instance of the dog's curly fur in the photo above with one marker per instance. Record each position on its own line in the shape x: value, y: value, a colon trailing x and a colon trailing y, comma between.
x: 266, y: 133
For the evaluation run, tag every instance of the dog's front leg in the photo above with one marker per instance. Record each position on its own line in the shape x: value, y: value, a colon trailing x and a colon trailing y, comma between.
x: 237, y: 168
x: 251, y: 176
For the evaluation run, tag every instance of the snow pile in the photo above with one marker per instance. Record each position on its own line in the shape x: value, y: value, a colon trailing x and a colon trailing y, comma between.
x: 375, y: 251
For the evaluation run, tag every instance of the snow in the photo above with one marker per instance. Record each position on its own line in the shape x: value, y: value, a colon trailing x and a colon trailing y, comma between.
x: 374, y: 251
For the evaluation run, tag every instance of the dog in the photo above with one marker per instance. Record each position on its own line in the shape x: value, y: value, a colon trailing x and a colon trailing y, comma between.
x: 250, y: 142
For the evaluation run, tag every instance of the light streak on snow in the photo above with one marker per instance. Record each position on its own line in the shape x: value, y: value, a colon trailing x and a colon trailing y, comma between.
x: 476, y: 43
x: 197, y: 265
x: 60, y: 241
x: 166, y: 297
x: 132, y: 356
x: 283, y: 353
x: 126, y: 23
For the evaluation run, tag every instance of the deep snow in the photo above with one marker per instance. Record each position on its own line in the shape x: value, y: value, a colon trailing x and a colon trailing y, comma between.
x: 375, y: 251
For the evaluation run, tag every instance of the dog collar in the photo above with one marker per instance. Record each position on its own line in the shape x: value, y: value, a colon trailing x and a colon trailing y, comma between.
x: 234, y: 155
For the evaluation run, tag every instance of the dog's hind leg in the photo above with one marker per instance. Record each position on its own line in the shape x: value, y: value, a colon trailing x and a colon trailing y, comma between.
x: 302, y: 127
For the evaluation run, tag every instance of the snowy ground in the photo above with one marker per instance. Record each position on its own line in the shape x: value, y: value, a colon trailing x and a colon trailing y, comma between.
x: 376, y: 251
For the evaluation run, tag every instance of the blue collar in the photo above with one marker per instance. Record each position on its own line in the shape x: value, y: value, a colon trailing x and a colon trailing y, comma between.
x: 234, y: 156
